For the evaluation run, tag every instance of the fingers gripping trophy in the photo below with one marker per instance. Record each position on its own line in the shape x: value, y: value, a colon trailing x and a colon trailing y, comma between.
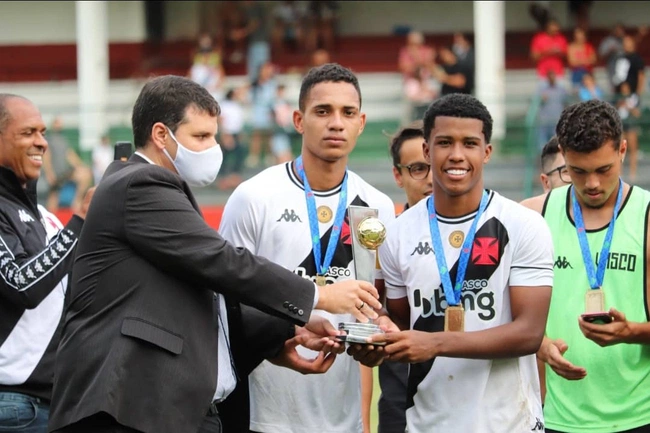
x: 368, y: 233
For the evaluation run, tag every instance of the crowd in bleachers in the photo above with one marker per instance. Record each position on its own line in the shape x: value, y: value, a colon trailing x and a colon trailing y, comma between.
x: 256, y: 116
x: 565, y: 70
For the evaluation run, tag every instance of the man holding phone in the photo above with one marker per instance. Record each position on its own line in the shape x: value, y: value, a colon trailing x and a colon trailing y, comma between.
x: 599, y: 278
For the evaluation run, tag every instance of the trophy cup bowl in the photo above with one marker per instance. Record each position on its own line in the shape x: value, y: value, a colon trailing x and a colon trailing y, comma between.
x: 371, y: 232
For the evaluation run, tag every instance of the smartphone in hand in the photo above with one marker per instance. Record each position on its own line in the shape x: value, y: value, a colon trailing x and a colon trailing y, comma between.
x: 597, y: 318
x: 123, y: 151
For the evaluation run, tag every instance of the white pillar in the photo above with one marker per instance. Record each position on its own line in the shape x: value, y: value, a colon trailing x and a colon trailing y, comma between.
x: 489, y: 46
x: 92, y: 70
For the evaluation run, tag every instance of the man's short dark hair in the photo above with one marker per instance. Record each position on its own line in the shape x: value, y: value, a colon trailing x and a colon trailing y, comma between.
x: 413, y: 130
x: 586, y: 126
x: 165, y: 99
x: 329, y: 72
x: 549, y: 151
x: 5, y: 116
x: 458, y: 105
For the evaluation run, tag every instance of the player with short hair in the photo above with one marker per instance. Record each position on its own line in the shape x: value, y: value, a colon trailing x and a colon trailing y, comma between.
x: 600, y: 217
x: 295, y: 214
x: 471, y: 273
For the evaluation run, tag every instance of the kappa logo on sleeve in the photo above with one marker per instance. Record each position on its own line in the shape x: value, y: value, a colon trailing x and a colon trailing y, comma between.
x: 25, y: 217
x: 289, y: 216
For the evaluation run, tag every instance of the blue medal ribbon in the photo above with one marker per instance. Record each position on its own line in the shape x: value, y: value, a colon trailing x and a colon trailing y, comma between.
x: 595, y: 276
x: 453, y: 293
x: 323, y: 266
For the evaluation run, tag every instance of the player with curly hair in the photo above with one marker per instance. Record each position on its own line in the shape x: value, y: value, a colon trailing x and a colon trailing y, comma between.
x: 599, y: 226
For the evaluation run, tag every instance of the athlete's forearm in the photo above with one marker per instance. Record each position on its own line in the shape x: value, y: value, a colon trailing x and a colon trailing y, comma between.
x: 505, y: 341
x: 640, y: 333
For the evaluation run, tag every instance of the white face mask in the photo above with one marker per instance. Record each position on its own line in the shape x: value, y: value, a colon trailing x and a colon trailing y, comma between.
x: 196, y: 168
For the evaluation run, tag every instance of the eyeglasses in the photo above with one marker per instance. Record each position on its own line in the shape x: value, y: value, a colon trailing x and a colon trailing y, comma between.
x: 417, y: 170
x: 562, y: 172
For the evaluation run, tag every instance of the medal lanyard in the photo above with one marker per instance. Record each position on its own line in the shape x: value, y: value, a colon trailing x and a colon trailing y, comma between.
x: 452, y: 293
x: 595, y: 277
x: 323, y: 266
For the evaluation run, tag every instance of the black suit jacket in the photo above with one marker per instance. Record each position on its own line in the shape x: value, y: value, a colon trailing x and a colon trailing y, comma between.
x: 139, y: 340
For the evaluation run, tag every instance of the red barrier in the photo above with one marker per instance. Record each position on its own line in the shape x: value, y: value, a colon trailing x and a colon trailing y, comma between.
x: 212, y: 214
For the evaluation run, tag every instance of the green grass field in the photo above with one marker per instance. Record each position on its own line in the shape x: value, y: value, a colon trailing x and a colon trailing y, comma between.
x: 376, y: 391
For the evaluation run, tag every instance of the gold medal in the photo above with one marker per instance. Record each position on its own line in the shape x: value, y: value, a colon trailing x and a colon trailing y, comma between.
x: 324, y: 214
x: 456, y: 238
x: 455, y: 318
x: 595, y: 301
x: 321, y: 280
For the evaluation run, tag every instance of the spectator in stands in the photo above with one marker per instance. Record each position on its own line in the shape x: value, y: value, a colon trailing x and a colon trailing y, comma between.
x: 627, y: 103
x: 207, y: 68
x: 549, y: 49
x: 231, y: 17
x: 464, y: 52
x: 322, y: 23
x: 415, y: 54
x: 283, y: 127
x: 419, y: 93
x: 611, y: 49
x: 262, y: 97
x: 589, y: 89
x: 319, y: 58
x: 629, y: 82
x: 288, y: 28
x: 629, y: 68
x: 581, y: 57
x: 231, y: 127
x: 62, y: 165
x: 102, y: 157
x: 258, y: 35
x: 454, y: 76
x: 553, y: 97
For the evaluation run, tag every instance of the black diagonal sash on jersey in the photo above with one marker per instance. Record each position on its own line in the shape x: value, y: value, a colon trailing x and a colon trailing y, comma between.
x: 343, y: 253
x: 480, y: 267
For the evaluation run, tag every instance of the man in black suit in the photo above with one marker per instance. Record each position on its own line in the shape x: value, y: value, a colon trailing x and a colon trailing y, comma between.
x: 139, y: 345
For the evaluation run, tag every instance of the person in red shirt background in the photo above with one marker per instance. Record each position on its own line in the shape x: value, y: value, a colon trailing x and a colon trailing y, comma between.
x: 549, y: 49
x: 581, y: 57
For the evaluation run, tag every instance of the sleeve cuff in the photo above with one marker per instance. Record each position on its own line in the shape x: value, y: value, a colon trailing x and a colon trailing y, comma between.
x: 75, y: 225
x: 395, y: 292
x: 316, y: 296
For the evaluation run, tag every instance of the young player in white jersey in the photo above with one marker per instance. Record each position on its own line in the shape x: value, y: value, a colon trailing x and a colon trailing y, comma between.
x: 470, y: 272
x: 288, y: 214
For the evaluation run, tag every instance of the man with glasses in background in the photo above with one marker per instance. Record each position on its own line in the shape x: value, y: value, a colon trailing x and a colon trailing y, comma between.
x: 554, y: 172
x: 413, y: 174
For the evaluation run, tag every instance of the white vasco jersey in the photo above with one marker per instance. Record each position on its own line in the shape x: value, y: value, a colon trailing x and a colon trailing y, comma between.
x: 512, y: 247
x: 268, y: 215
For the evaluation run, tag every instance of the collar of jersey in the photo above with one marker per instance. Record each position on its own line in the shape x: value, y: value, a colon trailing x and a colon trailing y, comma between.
x: 298, y: 183
x: 463, y: 218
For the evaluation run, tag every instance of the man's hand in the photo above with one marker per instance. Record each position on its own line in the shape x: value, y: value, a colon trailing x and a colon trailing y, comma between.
x: 409, y: 346
x: 290, y: 358
x: 386, y: 325
x: 551, y: 352
x: 358, y: 298
x: 86, y: 203
x: 369, y: 355
x: 320, y: 335
x: 607, y: 334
